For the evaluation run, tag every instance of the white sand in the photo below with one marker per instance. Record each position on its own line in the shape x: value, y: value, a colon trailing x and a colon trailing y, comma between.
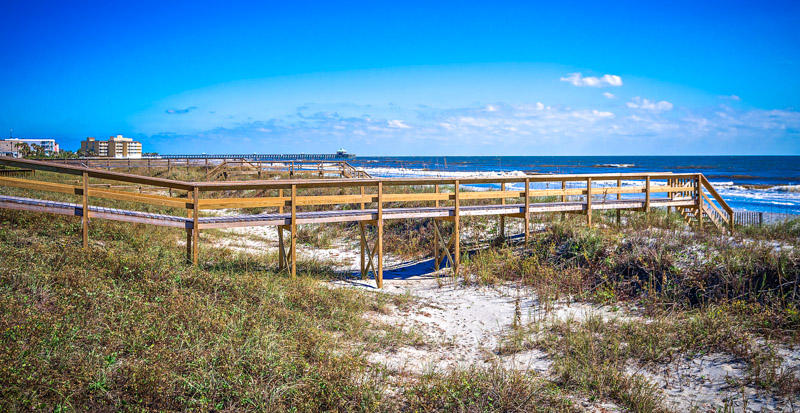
x: 463, y: 326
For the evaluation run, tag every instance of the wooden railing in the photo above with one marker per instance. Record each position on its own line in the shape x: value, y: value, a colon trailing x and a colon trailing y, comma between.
x: 371, y: 201
x: 216, y: 167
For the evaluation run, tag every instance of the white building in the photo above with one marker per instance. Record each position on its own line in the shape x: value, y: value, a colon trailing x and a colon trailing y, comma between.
x: 11, y: 146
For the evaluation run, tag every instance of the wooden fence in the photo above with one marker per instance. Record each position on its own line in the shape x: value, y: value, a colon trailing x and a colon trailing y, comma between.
x: 370, y: 202
x: 749, y: 218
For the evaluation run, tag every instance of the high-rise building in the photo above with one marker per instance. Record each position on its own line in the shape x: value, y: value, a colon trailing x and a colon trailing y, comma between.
x: 115, y: 147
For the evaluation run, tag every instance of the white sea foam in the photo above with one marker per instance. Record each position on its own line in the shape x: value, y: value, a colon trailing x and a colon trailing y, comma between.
x: 780, y: 196
x: 616, y: 165
x: 408, y: 173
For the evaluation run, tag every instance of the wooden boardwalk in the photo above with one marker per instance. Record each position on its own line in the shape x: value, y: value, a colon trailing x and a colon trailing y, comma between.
x: 445, y: 200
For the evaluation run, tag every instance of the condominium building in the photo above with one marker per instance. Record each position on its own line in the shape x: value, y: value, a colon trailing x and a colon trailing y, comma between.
x: 13, y: 146
x: 115, y: 147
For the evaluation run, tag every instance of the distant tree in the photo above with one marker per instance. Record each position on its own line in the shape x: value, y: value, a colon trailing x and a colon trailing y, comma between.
x: 64, y: 155
x: 38, y: 151
x: 24, y: 150
x: 84, y: 153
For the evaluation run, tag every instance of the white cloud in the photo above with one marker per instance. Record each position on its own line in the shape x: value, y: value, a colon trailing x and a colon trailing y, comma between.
x: 646, y: 104
x: 398, y: 124
x: 529, y: 127
x: 606, y: 80
x: 609, y: 95
x: 732, y: 97
x: 491, y: 108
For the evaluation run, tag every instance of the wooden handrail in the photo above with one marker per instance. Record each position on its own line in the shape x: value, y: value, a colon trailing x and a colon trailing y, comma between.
x: 343, y: 199
x: 96, y: 192
x: 707, y: 185
x: 724, y: 216
x: 327, y: 183
x: 95, y: 173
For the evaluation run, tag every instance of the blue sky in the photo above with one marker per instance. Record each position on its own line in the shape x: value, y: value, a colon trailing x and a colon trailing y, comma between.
x: 407, y: 78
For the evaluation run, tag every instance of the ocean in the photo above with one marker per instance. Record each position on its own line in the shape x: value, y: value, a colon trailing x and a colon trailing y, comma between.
x: 750, y: 183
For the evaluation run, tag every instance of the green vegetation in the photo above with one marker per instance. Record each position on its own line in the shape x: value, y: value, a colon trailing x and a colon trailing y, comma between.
x: 127, y: 325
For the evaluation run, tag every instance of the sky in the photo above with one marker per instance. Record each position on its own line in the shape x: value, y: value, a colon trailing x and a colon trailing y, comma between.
x: 406, y: 78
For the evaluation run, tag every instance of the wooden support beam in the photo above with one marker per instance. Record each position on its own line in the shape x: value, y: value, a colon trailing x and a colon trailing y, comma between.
x: 503, y: 217
x: 442, y: 248
x: 189, y: 243
x: 281, y: 249
x: 85, y: 215
x: 293, y: 248
x: 589, y: 202
x: 619, y: 196
x: 699, y: 201
x: 647, y: 194
x: 527, y: 208
x: 196, y: 226
x: 563, y: 198
x: 436, y: 190
x: 456, y: 229
x: 435, y: 245
x: 363, y: 245
x: 379, y: 279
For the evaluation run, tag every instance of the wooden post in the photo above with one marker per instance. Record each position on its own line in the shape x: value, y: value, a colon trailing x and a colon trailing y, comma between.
x: 435, y: 245
x: 280, y: 208
x: 563, y: 198
x: 527, y: 208
x: 85, y: 217
x: 456, y: 232
x: 363, y: 234
x: 436, y: 190
x: 189, y: 242
x: 503, y: 217
x: 379, y: 278
x: 699, y: 202
x: 619, y: 196
x: 281, y: 249
x: 293, y: 248
x: 206, y: 166
x: 647, y: 194
x: 196, y: 226
x: 363, y: 245
x: 589, y: 202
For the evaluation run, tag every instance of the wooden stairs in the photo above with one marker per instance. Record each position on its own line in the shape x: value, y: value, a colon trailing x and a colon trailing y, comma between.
x: 710, y: 210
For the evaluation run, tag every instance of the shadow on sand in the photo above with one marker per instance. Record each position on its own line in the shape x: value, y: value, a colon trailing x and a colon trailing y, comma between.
x: 421, y: 269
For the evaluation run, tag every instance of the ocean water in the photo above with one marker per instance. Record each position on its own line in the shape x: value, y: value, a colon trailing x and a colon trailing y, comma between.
x: 751, y: 183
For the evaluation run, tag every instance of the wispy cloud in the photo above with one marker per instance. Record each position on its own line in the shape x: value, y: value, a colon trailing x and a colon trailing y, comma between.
x: 609, y: 95
x: 637, y: 126
x: 641, y: 103
x: 398, y: 124
x: 180, y: 111
x: 591, y: 81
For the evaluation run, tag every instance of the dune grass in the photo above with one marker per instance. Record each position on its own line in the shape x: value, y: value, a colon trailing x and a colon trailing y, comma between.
x: 127, y: 324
